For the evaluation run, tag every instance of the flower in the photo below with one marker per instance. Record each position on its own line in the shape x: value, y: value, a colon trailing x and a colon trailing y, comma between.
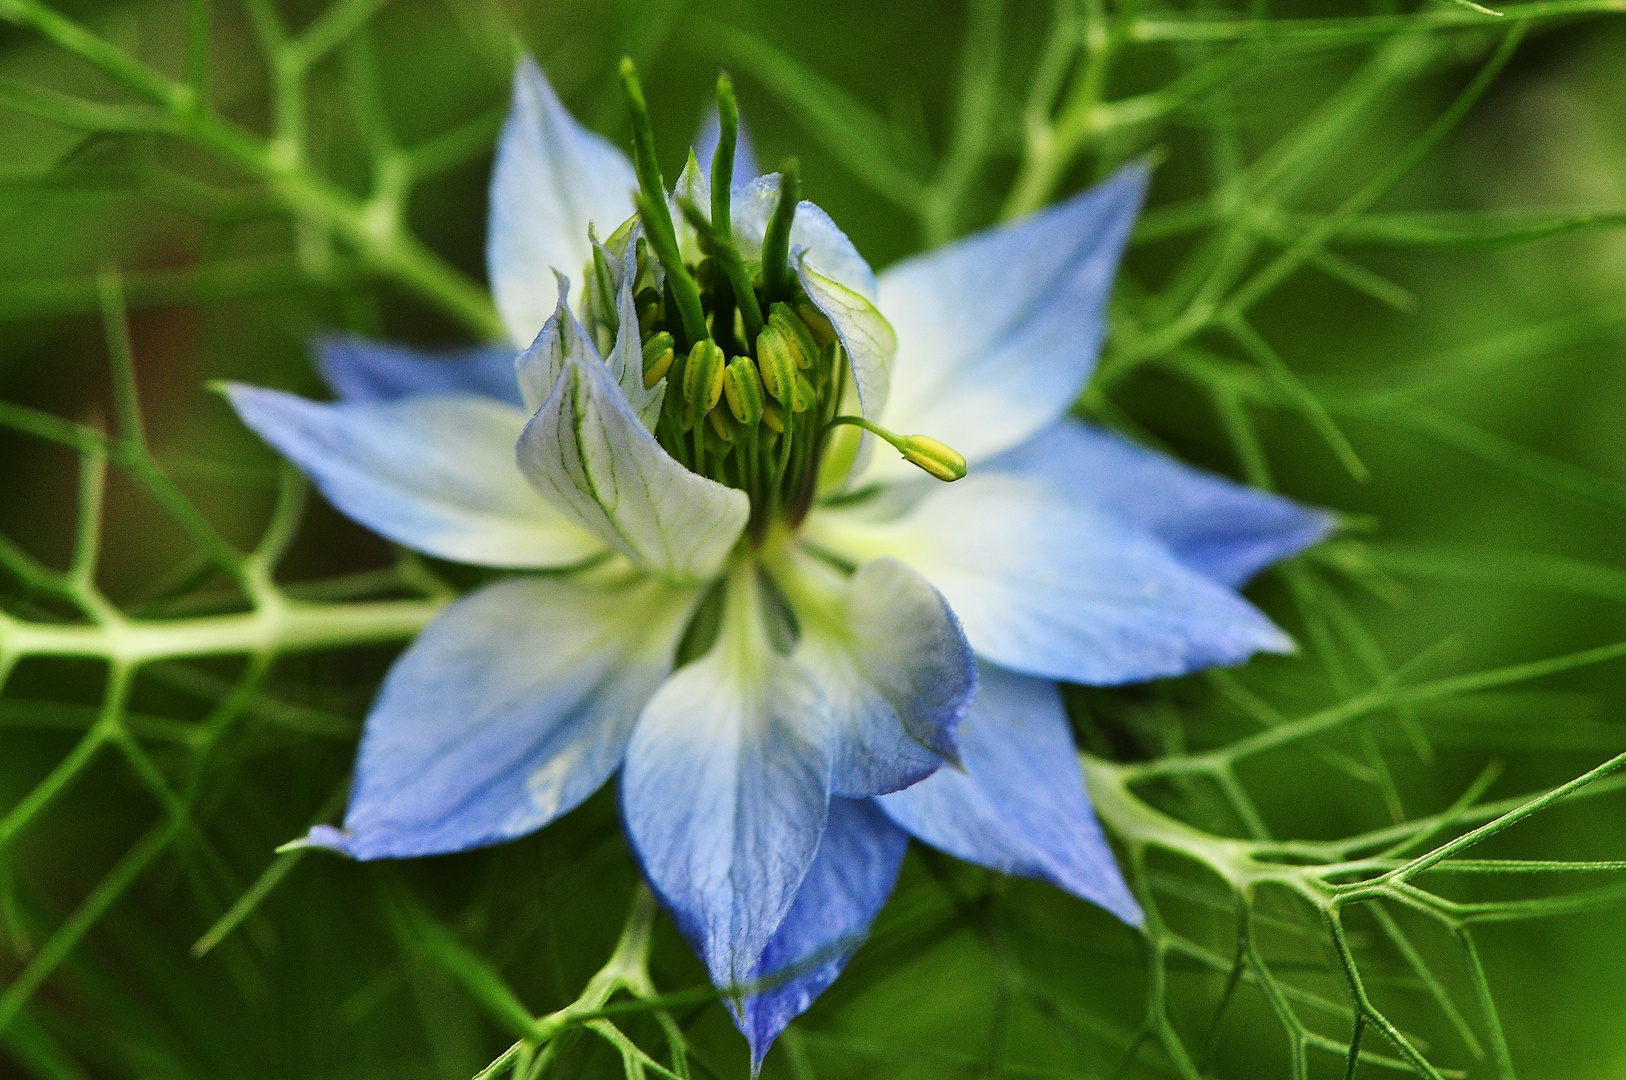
x: 797, y: 650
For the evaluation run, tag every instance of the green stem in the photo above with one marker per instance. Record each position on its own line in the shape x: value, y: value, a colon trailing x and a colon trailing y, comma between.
x: 383, y: 247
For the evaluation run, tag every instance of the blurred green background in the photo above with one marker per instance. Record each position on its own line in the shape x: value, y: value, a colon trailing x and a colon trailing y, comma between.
x: 1488, y: 533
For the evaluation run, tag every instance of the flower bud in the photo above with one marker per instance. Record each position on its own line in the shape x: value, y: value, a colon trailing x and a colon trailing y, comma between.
x: 703, y: 377
x: 777, y: 364
x: 658, y: 355
x: 803, y: 349
x: 742, y: 386
x: 943, y: 462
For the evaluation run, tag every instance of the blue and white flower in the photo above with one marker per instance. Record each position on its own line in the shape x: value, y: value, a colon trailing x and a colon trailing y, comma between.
x: 795, y: 647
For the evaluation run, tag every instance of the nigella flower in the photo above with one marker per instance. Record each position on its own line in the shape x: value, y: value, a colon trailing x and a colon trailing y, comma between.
x: 795, y: 647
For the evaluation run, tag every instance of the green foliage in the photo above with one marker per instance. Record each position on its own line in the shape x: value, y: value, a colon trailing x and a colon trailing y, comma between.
x: 1324, y: 845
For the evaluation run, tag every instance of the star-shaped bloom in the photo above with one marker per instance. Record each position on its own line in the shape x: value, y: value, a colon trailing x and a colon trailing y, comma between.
x: 795, y: 648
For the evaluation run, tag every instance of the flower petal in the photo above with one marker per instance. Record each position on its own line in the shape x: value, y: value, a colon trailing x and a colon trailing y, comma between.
x: 693, y: 185
x: 705, y: 148
x: 590, y: 454
x: 1019, y: 805
x: 433, y: 473
x: 998, y: 333
x: 1058, y: 590
x: 552, y: 177
x: 893, y: 663
x: 362, y: 370
x: 845, y: 888
x: 726, y: 787
x: 511, y: 707
x: 538, y: 367
x: 1219, y: 528
x: 864, y: 333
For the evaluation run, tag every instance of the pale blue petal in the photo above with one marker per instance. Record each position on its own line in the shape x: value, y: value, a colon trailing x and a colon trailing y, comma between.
x: 590, y: 454
x: 434, y: 473
x: 1215, y: 526
x: 705, y: 148
x: 864, y: 332
x: 626, y: 359
x: 362, y: 370
x: 844, y: 890
x: 552, y: 177
x: 1019, y: 806
x: 725, y: 790
x: 1056, y: 589
x: 997, y: 333
x: 895, y: 668
x: 509, y: 709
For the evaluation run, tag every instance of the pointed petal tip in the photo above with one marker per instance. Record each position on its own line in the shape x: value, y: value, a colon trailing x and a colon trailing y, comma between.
x: 321, y: 837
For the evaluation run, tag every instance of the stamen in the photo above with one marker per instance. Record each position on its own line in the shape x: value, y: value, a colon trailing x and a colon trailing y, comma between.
x: 703, y: 388
x: 743, y: 388
x: 777, y: 364
x: 936, y: 458
x: 803, y: 349
x: 659, y: 351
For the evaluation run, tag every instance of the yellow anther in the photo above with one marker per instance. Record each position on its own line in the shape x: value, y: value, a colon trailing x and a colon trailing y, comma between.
x: 742, y: 386
x: 943, y: 462
x: 777, y: 363
x: 658, y: 356
x: 703, y: 377
x: 803, y: 349
x: 722, y: 424
x: 774, y: 418
x: 805, y: 396
x: 816, y: 322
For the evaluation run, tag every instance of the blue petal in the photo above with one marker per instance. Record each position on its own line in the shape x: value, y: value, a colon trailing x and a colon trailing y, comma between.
x: 844, y: 890
x: 362, y: 370
x: 511, y: 707
x: 436, y: 474
x: 895, y: 668
x: 705, y: 148
x: 726, y: 788
x: 998, y: 333
x: 1050, y: 588
x: 552, y: 177
x: 1215, y: 526
x: 589, y: 453
x: 1019, y: 806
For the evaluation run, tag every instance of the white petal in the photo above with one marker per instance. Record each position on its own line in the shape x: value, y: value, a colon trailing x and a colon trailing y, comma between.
x: 590, y: 454
x: 435, y: 473
x: 552, y: 177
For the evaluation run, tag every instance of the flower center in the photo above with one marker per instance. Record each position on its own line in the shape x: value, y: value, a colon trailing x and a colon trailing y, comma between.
x: 756, y: 374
